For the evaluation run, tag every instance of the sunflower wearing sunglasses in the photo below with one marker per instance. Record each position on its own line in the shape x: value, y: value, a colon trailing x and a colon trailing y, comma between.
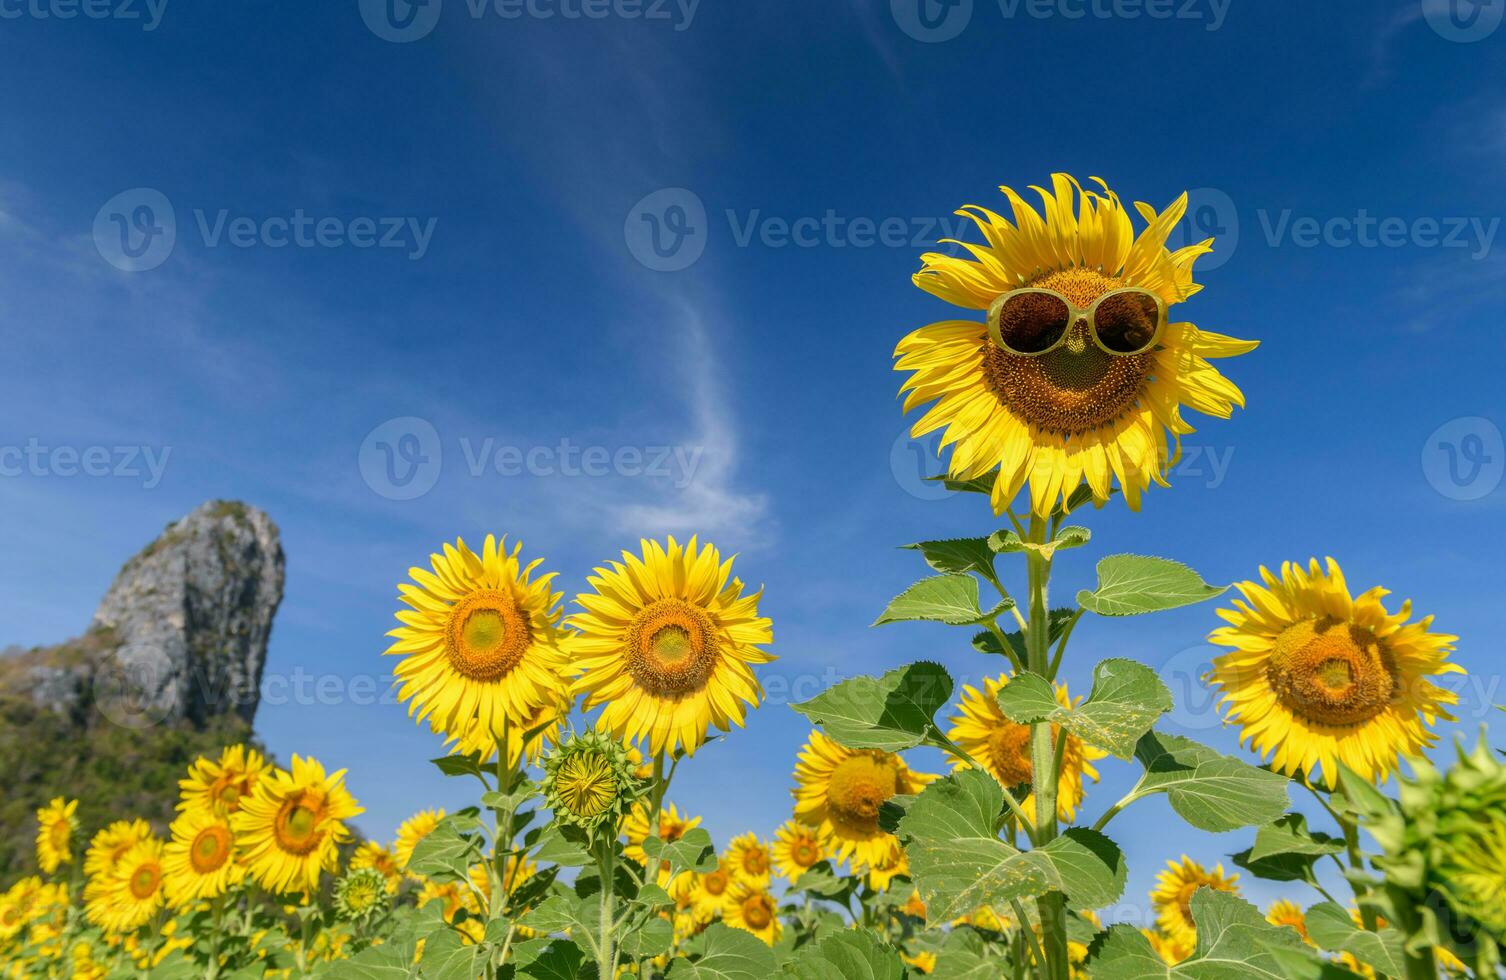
x: 1076, y: 375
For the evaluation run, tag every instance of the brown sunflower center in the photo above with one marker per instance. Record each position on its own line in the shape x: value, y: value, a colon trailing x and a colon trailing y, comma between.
x: 1077, y: 387
x: 1331, y: 673
x: 58, y: 834
x: 804, y: 853
x: 671, y: 648
x: 229, y: 789
x: 858, y: 786
x: 716, y: 882
x: 488, y: 634
x: 144, y: 881
x: 1009, y: 754
x: 758, y: 911
x: 210, y: 850
x: 296, y: 825
x: 755, y: 861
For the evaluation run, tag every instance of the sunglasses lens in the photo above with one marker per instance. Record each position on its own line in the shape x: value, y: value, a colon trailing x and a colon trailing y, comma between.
x: 1127, y: 321
x: 1030, y: 323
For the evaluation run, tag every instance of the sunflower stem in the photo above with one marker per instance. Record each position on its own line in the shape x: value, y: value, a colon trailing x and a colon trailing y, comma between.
x: 606, y: 962
x: 1044, y: 756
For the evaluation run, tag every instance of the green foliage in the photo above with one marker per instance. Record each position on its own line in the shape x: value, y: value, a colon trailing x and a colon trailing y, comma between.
x: 950, y: 599
x: 1210, y: 791
x: 1132, y: 584
x: 1234, y: 942
x: 1126, y: 700
x: 893, y: 712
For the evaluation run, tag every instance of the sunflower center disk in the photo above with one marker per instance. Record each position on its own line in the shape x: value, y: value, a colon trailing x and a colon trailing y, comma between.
x: 1009, y: 754
x: 755, y: 863
x: 716, y: 882
x: 857, y: 789
x: 804, y: 854
x: 1077, y: 387
x: 144, y: 881
x: 297, y: 826
x: 210, y: 850
x: 672, y: 648
x: 58, y: 833
x: 757, y: 912
x: 1331, y: 673
x: 487, y: 635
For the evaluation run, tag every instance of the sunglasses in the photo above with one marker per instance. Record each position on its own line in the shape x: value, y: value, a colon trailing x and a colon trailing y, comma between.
x: 1030, y: 322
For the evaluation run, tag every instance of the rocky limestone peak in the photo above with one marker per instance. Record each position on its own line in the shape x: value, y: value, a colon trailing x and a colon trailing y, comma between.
x: 182, y: 633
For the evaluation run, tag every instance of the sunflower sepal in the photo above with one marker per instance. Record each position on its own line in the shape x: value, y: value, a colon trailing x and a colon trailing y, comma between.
x: 589, y: 783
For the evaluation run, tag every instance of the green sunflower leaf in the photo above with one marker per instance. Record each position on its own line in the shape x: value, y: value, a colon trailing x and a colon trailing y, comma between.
x: 560, y: 960
x: 950, y: 599
x: 1071, y: 536
x: 1129, y: 585
x: 852, y: 955
x: 460, y: 765
x: 446, y: 854
x: 1286, y: 850
x: 1234, y: 942
x: 893, y: 712
x: 448, y: 957
x: 957, y: 555
x: 1126, y: 700
x: 726, y: 954
x: 651, y: 939
x: 1329, y: 925
x: 692, y: 852
x: 979, y: 484
x: 959, y: 863
x: 1210, y: 791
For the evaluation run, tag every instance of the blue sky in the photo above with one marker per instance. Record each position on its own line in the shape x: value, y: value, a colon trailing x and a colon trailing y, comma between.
x: 518, y: 167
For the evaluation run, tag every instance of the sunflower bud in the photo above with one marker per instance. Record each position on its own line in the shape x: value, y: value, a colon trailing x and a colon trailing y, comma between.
x: 360, y: 894
x: 589, y: 781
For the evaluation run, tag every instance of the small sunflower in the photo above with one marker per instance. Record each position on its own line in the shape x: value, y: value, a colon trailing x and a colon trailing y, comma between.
x: 839, y: 791
x: 1077, y: 413
x: 56, y: 825
x: 219, y: 786
x: 360, y: 894
x: 133, y: 891
x: 411, y: 831
x: 1171, y: 951
x: 914, y: 906
x: 1318, y: 677
x: 754, y: 910
x: 670, y: 827
x: 480, y: 641
x: 290, y: 828
x: 668, y: 643
x: 373, y: 856
x: 589, y: 781
x: 893, y: 864
x: 1172, y: 898
x: 797, y: 847
x: 749, y: 859
x: 109, y: 845
x: 199, y: 861
x: 924, y: 961
x: 1287, y: 913
x: 1003, y: 747
x: 709, y: 891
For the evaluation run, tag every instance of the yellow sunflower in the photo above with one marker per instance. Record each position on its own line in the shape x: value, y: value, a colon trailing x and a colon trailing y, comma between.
x: 1286, y: 913
x: 797, y: 847
x: 839, y: 791
x: 914, y: 905
x: 923, y: 961
x: 670, y: 827
x: 1172, y: 898
x: 893, y: 864
x: 709, y: 892
x: 545, y: 722
x: 411, y: 831
x: 56, y: 825
x: 1003, y: 747
x: 133, y: 891
x: 219, y: 786
x: 1171, y: 951
x: 1318, y: 677
x: 381, y: 860
x: 480, y: 641
x: 290, y: 828
x: 1077, y: 413
x: 752, y: 909
x: 199, y: 861
x: 749, y: 859
x: 667, y: 643
x: 110, y: 844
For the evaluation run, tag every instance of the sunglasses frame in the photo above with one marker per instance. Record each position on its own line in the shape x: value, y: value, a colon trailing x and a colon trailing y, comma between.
x: 1076, y: 315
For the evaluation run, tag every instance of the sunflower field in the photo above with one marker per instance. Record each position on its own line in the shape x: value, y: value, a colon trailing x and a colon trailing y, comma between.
x: 1065, y: 397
